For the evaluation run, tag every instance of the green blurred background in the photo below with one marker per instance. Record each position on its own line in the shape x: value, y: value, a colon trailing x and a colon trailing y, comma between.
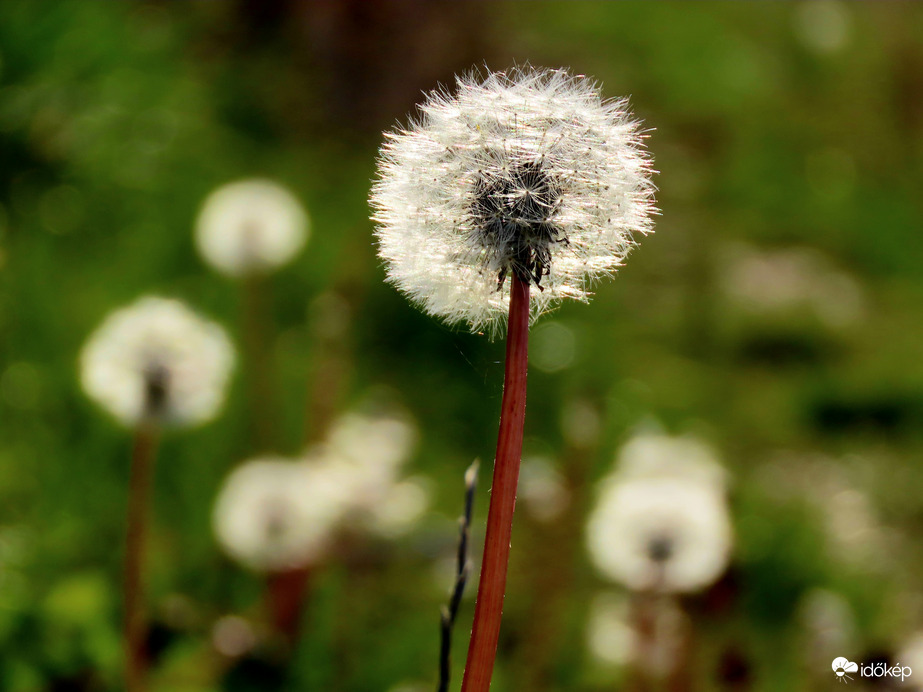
x: 777, y: 312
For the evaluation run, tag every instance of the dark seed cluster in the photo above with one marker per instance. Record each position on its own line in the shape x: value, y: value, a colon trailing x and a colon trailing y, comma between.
x: 660, y: 549
x: 513, y: 218
x: 157, y: 389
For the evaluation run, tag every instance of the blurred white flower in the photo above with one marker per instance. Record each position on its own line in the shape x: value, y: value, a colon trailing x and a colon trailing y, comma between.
x: 156, y: 359
x: 528, y: 172
x: 379, y: 445
x: 661, y: 522
x: 828, y: 622
x: 399, y: 508
x: 367, y: 452
x: 651, y: 455
x: 233, y: 636
x: 911, y: 654
x: 274, y: 514
x: 611, y: 638
x: 250, y: 227
x: 542, y: 489
x: 823, y: 26
x: 784, y: 281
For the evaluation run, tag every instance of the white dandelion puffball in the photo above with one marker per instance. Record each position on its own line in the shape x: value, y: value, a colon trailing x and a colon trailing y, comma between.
x: 157, y: 360
x: 661, y: 534
x: 650, y: 455
x: 367, y: 453
x: 379, y: 445
x: 527, y: 172
x: 275, y: 514
x: 250, y: 227
x: 911, y: 655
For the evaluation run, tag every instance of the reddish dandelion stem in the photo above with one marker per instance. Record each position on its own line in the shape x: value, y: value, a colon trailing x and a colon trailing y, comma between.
x: 142, y: 466
x: 287, y: 592
x: 487, y: 613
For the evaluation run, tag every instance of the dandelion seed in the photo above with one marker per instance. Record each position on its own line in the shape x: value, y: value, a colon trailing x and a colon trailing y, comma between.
x: 250, y: 227
x: 367, y: 452
x: 527, y: 172
x: 157, y: 360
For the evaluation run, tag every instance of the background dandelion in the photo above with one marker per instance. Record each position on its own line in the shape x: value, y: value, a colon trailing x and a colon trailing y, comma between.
x: 661, y: 522
x: 289, y: 517
x: 152, y: 364
x: 157, y: 361
x: 250, y: 227
x: 247, y: 229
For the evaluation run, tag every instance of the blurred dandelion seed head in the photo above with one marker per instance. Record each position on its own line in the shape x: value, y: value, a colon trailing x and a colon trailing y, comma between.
x: 661, y: 522
x: 610, y: 636
x: 542, y: 489
x: 250, y: 227
x: 656, y: 455
x: 368, y: 453
x: 911, y: 654
x: 233, y: 636
x: 781, y: 282
x: 379, y: 445
x: 527, y: 172
x: 274, y: 514
x: 158, y: 360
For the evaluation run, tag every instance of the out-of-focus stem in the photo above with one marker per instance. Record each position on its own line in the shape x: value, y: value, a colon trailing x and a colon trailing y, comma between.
x: 258, y: 354
x: 487, y: 613
x: 330, y: 321
x: 287, y: 592
x: 139, y: 490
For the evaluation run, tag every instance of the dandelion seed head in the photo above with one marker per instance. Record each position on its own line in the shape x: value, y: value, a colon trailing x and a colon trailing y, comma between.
x: 250, y: 227
x: 527, y: 172
x: 661, y: 521
x: 157, y: 360
x: 657, y: 455
x: 911, y: 655
x: 377, y: 446
x: 274, y: 514
x: 399, y: 508
x: 610, y: 636
x: 368, y: 451
x: 662, y: 534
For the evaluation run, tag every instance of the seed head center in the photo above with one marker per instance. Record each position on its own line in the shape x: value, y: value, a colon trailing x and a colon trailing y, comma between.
x: 514, y: 222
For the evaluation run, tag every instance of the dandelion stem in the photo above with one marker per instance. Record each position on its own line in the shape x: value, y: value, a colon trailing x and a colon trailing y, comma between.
x: 258, y: 354
x: 287, y: 592
x: 487, y: 613
x: 142, y: 466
